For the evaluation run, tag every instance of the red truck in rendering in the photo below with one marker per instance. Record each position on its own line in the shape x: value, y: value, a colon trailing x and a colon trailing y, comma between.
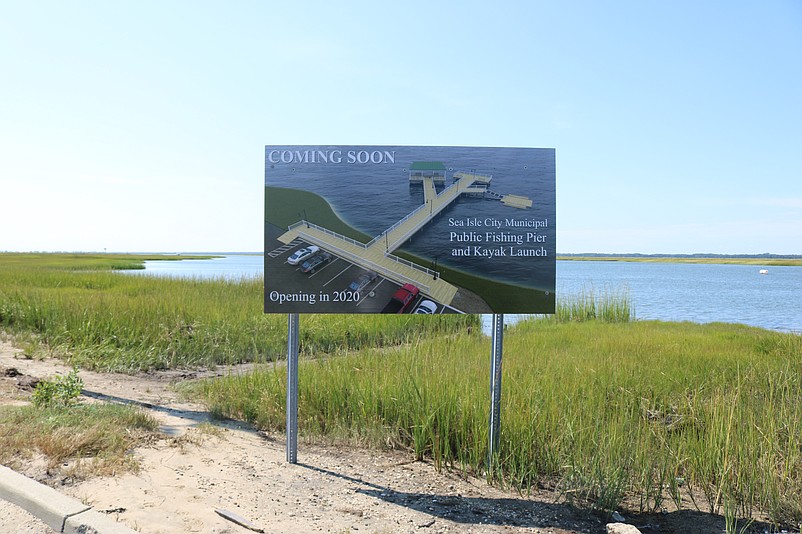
x: 402, y: 299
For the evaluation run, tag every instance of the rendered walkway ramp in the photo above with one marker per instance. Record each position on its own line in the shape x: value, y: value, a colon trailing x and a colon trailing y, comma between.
x: 377, y: 255
x: 433, y: 204
x: 374, y: 258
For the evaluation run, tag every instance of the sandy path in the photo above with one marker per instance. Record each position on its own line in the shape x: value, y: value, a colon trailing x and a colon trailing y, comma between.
x: 17, y: 520
x: 191, y: 472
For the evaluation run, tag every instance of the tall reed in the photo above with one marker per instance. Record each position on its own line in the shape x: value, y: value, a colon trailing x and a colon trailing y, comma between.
x: 588, y: 305
x: 650, y: 412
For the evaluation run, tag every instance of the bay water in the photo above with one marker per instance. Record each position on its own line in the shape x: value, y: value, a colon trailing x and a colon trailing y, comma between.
x: 700, y: 293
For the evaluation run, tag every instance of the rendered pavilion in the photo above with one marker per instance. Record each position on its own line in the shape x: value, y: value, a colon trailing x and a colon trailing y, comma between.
x: 427, y: 169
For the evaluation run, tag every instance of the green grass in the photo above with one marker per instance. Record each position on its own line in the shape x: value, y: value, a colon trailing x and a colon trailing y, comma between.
x: 99, y: 319
x: 284, y: 207
x: 602, y: 411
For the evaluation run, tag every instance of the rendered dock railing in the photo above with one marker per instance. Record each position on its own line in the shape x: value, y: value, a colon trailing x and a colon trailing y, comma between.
x: 329, y: 232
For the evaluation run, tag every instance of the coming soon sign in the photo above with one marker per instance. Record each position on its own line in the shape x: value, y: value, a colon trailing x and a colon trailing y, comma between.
x: 405, y: 229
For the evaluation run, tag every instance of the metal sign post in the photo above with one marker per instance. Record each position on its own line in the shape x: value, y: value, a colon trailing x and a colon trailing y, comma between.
x: 292, y: 388
x: 495, y: 386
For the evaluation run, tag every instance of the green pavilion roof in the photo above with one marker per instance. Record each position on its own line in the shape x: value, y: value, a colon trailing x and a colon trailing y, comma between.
x: 427, y: 166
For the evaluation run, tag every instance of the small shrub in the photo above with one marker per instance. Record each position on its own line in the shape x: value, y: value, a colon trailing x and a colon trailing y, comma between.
x: 63, y: 391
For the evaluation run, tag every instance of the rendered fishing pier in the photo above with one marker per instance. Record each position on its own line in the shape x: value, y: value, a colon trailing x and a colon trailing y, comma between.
x: 377, y: 256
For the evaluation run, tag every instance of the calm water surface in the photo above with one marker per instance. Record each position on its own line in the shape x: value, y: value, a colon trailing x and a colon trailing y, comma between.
x: 231, y: 267
x: 700, y: 293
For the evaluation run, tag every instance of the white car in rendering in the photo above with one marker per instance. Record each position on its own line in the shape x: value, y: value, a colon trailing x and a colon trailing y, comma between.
x: 426, y: 306
x: 302, y: 254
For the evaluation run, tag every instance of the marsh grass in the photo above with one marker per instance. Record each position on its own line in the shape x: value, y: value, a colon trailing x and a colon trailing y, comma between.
x: 104, y: 320
x: 646, y: 412
x: 589, y: 305
x: 86, y: 261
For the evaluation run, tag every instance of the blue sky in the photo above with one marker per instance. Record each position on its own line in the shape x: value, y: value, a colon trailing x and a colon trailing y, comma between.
x: 141, y: 126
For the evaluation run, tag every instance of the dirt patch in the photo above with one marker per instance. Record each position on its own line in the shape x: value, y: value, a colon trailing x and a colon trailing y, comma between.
x: 197, y: 469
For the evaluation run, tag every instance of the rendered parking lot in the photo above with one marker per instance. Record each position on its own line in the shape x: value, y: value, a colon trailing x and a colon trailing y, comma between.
x: 326, y: 290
